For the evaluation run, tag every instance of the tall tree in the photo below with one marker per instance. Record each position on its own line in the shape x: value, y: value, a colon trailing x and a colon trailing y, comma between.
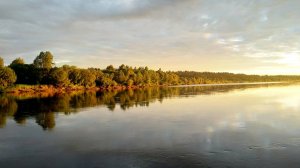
x: 1, y: 62
x: 18, y: 61
x: 44, y: 60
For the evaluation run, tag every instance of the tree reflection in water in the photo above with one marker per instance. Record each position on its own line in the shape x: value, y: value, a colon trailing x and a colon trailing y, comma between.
x: 43, y: 109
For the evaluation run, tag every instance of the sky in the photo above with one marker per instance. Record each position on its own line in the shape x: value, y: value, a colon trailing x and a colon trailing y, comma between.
x: 240, y: 36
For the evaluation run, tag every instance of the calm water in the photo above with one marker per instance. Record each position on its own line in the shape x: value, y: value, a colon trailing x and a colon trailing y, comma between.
x: 217, y: 126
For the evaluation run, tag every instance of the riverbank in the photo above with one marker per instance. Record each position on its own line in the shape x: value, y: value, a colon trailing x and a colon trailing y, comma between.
x: 50, y: 90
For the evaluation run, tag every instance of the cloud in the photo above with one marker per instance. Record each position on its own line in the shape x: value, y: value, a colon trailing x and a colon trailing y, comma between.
x: 236, y: 39
x: 203, y: 33
x: 62, y: 61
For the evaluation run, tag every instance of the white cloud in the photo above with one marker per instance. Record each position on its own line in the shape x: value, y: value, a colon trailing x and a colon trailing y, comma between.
x: 290, y: 59
x: 61, y: 61
x: 236, y: 39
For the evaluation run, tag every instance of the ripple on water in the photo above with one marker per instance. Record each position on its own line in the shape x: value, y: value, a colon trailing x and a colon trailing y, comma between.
x: 294, y: 141
x: 272, y: 147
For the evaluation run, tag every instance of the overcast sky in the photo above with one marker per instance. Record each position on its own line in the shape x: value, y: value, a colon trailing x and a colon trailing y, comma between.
x: 246, y: 36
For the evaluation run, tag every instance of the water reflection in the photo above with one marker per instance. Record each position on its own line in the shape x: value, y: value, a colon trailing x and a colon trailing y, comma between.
x: 44, y: 107
x: 220, y: 126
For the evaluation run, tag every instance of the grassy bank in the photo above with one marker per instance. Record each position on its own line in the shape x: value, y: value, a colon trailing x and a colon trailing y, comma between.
x: 50, y: 90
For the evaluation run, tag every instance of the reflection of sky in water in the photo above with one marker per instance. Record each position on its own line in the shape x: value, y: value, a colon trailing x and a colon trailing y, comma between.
x: 260, y: 125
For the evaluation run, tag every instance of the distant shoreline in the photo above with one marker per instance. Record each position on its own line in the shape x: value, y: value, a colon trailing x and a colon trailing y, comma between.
x: 230, y: 84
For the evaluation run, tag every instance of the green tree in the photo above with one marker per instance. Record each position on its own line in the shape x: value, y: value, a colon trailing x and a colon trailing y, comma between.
x: 75, y: 76
x: 106, y: 81
x: 59, y: 77
x: 26, y: 74
x: 121, y: 78
x: 44, y: 60
x: 82, y: 77
x: 98, y: 74
x: 18, y: 61
x: 139, y: 78
x: 110, y: 68
x: 87, y: 78
x: 1, y: 62
x: 130, y: 82
x: 7, y: 77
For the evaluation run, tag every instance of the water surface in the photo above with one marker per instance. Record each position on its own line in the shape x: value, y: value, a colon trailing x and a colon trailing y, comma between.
x: 206, y: 126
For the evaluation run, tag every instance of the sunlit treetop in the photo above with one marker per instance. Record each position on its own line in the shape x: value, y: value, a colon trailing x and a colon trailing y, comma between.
x: 1, y: 62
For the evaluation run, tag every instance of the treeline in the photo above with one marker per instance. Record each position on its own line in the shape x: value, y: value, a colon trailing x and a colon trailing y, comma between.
x: 43, y: 71
x: 191, y: 77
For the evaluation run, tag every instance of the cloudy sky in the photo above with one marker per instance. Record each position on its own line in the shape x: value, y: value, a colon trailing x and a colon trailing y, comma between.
x: 245, y: 36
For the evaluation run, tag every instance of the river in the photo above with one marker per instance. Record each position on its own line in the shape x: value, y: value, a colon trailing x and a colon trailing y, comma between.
x: 199, y: 126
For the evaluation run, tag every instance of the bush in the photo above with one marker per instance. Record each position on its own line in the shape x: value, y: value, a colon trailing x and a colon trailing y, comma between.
x: 7, y: 77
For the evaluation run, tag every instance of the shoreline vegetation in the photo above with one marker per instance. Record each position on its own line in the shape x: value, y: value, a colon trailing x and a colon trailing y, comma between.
x: 50, y: 90
x: 42, y: 76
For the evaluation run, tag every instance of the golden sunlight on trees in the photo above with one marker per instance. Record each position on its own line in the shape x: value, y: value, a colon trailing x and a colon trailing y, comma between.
x: 7, y: 77
x: 18, y: 61
x: 1, y: 63
x: 44, y: 60
x: 59, y: 77
x: 42, y: 72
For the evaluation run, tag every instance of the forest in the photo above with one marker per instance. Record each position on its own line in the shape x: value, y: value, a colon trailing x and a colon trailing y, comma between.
x: 42, y: 71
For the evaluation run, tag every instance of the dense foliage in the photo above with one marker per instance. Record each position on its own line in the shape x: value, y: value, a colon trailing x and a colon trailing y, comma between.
x: 7, y: 77
x: 1, y: 63
x: 18, y: 61
x: 191, y: 77
x: 44, y: 60
x: 42, y: 71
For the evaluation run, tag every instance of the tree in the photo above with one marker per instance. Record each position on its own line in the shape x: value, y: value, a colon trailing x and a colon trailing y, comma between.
x: 87, y: 78
x: 75, y: 76
x: 1, y: 63
x: 82, y: 77
x: 121, y: 78
x: 44, y: 60
x: 107, y: 81
x: 7, y: 77
x: 18, y: 61
x: 98, y: 74
x: 110, y: 68
x: 26, y: 74
x: 130, y: 82
x: 139, y: 79
x: 59, y: 77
